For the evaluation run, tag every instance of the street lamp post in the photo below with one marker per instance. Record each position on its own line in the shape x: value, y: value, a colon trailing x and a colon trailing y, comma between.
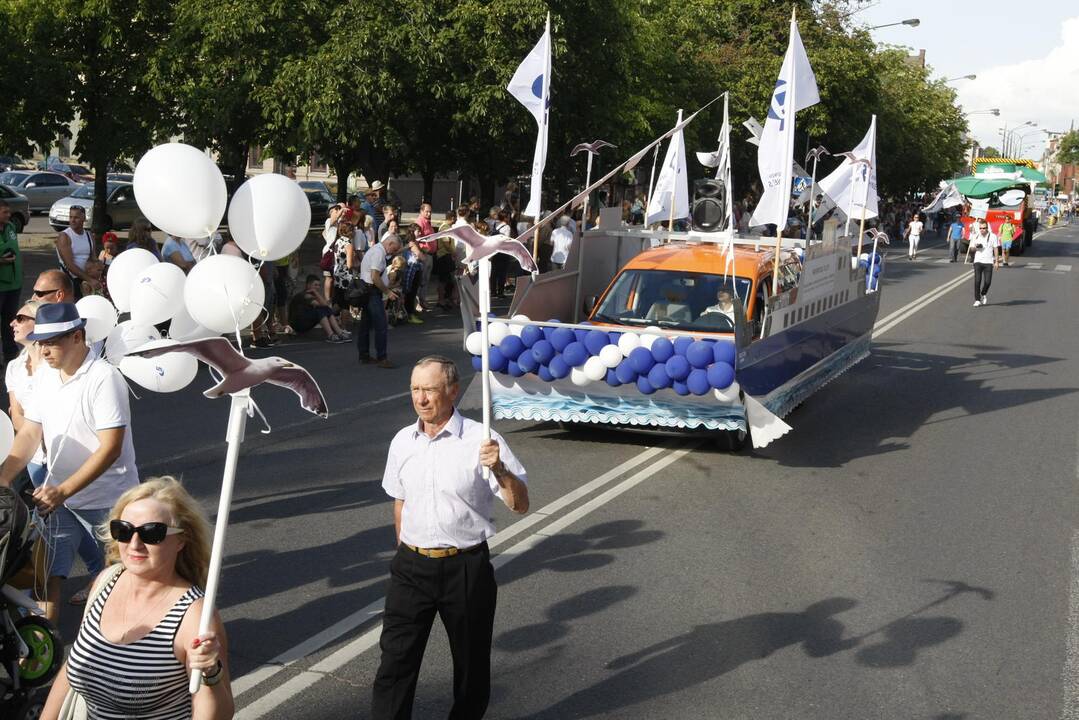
x: 1005, y: 135
x: 990, y: 111
x: 912, y: 22
x: 962, y: 77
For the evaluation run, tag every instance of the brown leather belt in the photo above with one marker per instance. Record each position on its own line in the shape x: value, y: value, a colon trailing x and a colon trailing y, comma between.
x: 442, y: 552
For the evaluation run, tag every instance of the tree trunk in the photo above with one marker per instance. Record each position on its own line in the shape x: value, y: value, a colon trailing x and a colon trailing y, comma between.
x: 428, y: 183
x: 101, y: 192
x: 487, y: 192
x: 343, y: 168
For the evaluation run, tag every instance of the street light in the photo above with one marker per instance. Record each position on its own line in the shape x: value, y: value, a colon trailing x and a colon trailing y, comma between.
x: 964, y: 77
x: 1005, y: 133
x: 912, y: 22
x: 990, y: 111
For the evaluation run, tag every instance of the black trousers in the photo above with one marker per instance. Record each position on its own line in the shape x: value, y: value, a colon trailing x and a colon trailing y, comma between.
x: 983, y: 277
x: 462, y: 590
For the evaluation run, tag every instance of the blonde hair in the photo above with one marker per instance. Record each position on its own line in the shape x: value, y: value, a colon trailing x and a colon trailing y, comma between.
x: 33, y: 304
x: 193, y: 562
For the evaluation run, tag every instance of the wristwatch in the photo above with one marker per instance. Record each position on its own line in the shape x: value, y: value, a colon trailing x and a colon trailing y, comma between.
x: 214, y: 677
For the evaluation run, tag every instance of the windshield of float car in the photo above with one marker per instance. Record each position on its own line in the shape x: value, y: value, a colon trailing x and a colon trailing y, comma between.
x: 671, y: 300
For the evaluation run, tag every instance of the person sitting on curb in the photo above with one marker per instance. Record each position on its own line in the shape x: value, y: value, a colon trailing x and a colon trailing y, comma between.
x: 310, y: 308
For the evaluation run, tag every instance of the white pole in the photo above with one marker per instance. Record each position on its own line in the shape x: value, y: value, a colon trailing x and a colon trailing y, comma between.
x: 651, y: 182
x: 587, y: 183
x: 485, y: 355
x: 872, y: 264
x: 812, y: 198
x: 234, y: 438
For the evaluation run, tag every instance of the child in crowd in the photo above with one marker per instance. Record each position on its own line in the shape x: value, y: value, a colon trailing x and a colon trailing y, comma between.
x: 96, y: 269
x: 310, y: 308
x: 111, y: 243
x: 395, y: 309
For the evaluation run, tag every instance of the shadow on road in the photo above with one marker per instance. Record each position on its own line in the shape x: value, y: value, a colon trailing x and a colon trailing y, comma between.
x: 559, y: 616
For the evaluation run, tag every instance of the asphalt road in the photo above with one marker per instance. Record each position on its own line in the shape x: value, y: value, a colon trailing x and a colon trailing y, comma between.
x: 908, y: 551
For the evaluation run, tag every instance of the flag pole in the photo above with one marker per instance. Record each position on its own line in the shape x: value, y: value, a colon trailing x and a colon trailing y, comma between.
x: 775, y: 261
x: 861, y: 225
x: 485, y: 352
x: 587, y: 183
x: 234, y: 438
x: 812, y: 196
x: 651, y: 181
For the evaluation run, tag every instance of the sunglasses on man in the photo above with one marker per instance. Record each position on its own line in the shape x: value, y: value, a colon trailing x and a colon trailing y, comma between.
x: 43, y: 293
x: 152, y: 533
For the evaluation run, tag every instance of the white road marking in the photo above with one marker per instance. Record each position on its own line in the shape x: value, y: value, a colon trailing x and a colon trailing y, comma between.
x: 369, y: 639
x: 1063, y: 268
x: 1034, y: 266
x: 885, y: 324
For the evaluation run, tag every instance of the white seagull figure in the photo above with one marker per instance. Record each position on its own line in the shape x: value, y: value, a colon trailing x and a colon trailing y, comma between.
x: 593, y: 147
x: 239, y: 372
x: 479, y: 246
x: 855, y: 160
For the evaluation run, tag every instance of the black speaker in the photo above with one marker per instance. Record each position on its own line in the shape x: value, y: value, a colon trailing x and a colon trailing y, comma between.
x: 709, y: 212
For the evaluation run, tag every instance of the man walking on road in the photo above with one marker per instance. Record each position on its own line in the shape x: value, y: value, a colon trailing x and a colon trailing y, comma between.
x: 442, y: 516
x: 955, y: 238
x: 986, y: 247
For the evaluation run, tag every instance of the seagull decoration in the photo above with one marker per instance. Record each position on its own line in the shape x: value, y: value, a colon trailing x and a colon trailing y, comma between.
x: 817, y: 153
x: 853, y: 160
x: 479, y: 246
x: 592, y: 147
x: 877, y: 236
x: 240, y: 373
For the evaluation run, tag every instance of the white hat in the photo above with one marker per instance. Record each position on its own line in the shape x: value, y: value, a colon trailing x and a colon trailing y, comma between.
x: 375, y: 186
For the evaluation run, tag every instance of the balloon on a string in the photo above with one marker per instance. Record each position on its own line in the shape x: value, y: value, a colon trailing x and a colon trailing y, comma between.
x: 123, y: 271
x: 269, y: 216
x: 641, y: 360
x: 183, y: 327
x: 100, y: 317
x: 7, y: 434
x: 127, y: 336
x: 678, y: 368
x: 594, y: 369
x: 561, y: 337
x: 474, y: 343
x: 531, y: 335
x: 224, y: 293
x: 164, y: 374
x: 699, y: 354
x: 543, y: 351
x: 497, y: 332
x: 180, y: 190
x: 575, y: 354
x: 157, y: 293
x: 511, y: 346
x: 610, y: 355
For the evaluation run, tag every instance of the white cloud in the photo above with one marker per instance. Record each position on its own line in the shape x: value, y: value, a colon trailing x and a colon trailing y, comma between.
x: 1044, y: 90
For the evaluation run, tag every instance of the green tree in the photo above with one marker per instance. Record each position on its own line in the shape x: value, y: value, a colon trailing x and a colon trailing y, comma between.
x: 990, y: 152
x: 1068, y: 149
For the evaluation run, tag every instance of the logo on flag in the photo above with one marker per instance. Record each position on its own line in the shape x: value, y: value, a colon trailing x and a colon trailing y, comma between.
x: 777, y: 110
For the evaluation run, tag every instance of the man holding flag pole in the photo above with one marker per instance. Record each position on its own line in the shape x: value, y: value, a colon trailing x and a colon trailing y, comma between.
x: 796, y: 89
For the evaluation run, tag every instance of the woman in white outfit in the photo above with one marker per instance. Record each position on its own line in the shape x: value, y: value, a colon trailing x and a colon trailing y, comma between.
x: 914, y: 234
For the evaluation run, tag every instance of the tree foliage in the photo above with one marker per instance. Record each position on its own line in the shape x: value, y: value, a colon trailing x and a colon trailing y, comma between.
x: 1068, y: 149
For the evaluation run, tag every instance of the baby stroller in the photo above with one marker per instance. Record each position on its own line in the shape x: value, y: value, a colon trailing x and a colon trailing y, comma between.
x: 31, y: 650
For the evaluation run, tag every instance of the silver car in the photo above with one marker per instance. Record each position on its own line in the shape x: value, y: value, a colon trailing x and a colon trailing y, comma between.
x: 42, y: 189
x: 121, y: 210
x: 20, y: 207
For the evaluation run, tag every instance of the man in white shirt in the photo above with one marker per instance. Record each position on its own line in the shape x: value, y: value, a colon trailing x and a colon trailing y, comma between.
x: 561, y: 242
x: 373, y: 273
x: 442, y: 517
x: 79, y: 410
x: 985, y: 246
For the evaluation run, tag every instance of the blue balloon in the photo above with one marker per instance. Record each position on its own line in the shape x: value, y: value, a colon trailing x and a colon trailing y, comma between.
x: 497, y: 361
x: 575, y: 354
x: 511, y: 346
x: 612, y: 378
x: 545, y: 374
x: 681, y: 344
x: 477, y: 363
x: 514, y: 369
x: 614, y: 337
x: 559, y: 368
x: 723, y: 351
x: 678, y: 368
x: 720, y: 375
x: 657, y: 377
x: 697, y: 382
x: 561, y: 337
x: 641, y: 359
x: 595, y: 341
x: 625, y: 372
x: 644, y: 386
x: 548, y: 331
x: 543, y: 351
x: 579, y: 335
x: 699, y: 354
x: 530, y: 335
x: 680, y: 387
x: 527, y: 361
x: 662, y: 350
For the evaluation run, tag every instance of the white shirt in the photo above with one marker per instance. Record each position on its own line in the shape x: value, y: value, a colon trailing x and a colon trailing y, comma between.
x: 373, y: 259
x: 562, y: 240
x: 988, y: 242
x: 19, y: 381
x: 80, y: 247
x: 916, y: 227
x: 447, y: 501
x: 71, y: 414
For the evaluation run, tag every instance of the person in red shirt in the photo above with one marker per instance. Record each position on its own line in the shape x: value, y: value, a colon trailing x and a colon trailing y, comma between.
x: 428, y: 248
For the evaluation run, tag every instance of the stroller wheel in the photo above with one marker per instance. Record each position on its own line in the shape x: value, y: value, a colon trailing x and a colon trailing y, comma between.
x: 46, y: 651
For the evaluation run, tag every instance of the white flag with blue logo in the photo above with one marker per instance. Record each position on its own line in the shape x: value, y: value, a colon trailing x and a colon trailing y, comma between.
x: 531, y: 85
x: 795, y: 90
x: 672, y: 186
x: 847, y: 184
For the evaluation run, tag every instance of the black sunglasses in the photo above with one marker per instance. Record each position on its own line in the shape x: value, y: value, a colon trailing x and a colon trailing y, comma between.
x: 43, y: 293
x: 151, y: 533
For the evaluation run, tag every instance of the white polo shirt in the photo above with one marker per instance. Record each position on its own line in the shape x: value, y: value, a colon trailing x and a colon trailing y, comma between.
x: 18, y: 380
x: 447, y: 501
x: 71, y: 414
x: 988, y: 242
x: 374, y: 259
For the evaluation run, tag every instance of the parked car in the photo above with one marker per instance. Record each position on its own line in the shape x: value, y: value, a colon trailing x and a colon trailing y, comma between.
x: 315, y: 185
x: 19, y: 204
x: 78, y: 173
x: 121, y: 177
x: 41, y: 188
x: 321, y: 202
x: 121, y: 210
x: 11, y: 162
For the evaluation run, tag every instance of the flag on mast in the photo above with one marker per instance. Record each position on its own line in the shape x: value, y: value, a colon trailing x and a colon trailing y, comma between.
x: 531, y: 85
x: 796, y: 89
x: 847, y: 184
x: 672, y: 185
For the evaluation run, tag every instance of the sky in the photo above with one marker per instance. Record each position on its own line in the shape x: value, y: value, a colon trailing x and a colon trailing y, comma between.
x: 1025, y: 56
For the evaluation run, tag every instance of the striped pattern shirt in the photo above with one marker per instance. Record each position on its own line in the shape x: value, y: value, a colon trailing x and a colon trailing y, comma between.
x: 142, y: 679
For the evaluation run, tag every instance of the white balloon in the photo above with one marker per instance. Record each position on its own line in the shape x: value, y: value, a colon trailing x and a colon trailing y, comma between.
x: 184, y: 328
x: 729, y: 393
x: 650, y: 335
x: 180, y: 190
x: 127, y: 336
x: 628, y: 342
x: 7, y: 434
x: 497, y: 332
x: 595, y: 368
x: 269, y: 216
x: 610, y: 356
x: 157, y: 294
x: 224, y: 293
x: 517, y: 329
x: 474, y: 343
x: 100, y: 317
x: 165, y: 373
x: 123, y: 272
x: 578, y: 377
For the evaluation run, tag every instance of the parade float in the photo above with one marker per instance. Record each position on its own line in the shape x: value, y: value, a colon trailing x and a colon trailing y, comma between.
x: 696, y: 330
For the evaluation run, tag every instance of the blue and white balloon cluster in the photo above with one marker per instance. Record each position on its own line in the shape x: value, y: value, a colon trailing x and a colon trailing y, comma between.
x: 648, y: 360
x: 872, y: 279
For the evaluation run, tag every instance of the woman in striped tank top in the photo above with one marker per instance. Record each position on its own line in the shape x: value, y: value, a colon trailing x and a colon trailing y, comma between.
x: 138, y: 642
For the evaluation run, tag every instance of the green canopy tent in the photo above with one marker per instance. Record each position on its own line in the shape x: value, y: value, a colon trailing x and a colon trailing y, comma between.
x: 979, y: 188
x: 1032, y: 175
